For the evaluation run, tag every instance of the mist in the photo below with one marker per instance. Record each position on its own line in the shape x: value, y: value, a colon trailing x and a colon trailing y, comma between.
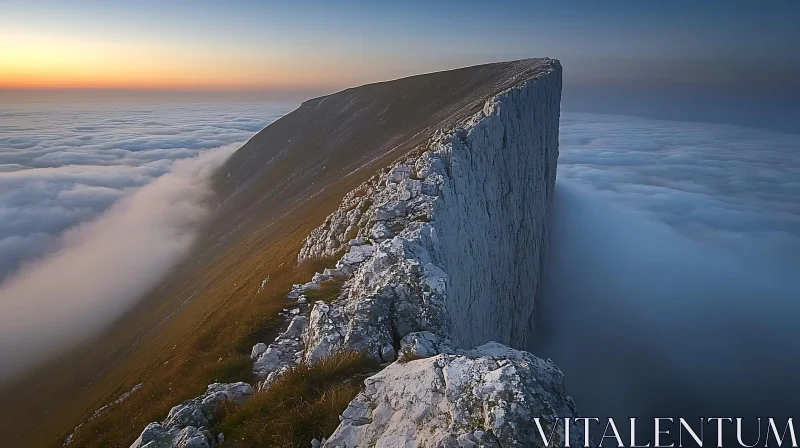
x: 672, y: 286
x: 101, y: 267
x: 66, y: 162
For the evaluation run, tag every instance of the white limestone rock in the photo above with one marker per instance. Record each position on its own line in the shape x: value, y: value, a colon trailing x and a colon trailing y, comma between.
x: 185, y: 425
x: 493, y: 211
x: 360, y: 241
x: 319, y: 278
x: 156, y: 436
x: 484, y: 397
x: 334, y: 273
x: 424, y: 344
x: 197, y: 412
x: 296, y: 328
x: 257, y: 350
x: 400, y: 172
x: 397, y: 290
x: 325, y: 332
x: 380, y: 231
x: 358, y: 254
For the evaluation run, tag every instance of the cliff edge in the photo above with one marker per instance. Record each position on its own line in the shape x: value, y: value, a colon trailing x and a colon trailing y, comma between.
x: 440, y: 257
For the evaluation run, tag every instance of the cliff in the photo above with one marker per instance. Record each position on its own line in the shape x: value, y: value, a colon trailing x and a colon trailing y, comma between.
x: 461, y: 225
x: 441, y: 256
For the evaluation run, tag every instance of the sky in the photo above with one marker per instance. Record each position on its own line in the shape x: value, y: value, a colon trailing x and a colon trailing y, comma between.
x: 321, y: 46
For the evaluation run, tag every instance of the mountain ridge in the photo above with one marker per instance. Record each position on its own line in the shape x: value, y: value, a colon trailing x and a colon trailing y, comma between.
x: 275, y: 195
x: 439, y: 255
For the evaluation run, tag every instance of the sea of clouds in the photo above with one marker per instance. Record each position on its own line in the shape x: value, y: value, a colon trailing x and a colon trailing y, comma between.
x: 97, y: 202
x: 673, y: 283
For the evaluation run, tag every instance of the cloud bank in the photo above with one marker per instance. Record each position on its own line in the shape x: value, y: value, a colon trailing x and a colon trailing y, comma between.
x: 673, y: 282
x: 65, y: 163
x: 101, y: 267
x: 97, y: 202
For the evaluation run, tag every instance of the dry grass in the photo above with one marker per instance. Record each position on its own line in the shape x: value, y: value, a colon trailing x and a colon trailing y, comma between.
x: 301, y: 405
x: 328, y: 291
x: 196, y: 328
x: 217, y: 352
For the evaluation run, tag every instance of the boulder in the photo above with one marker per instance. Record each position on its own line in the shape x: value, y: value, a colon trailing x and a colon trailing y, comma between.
x: 400, y: 172
x: 485, y: 397
x: 424, y: 344
x: 359, y: 241
x: 156, y: 436
x: 325, y: 331
x: 296, y: 328
x: 258, y: 349
x: 185, y: 425
x: 390, y: 210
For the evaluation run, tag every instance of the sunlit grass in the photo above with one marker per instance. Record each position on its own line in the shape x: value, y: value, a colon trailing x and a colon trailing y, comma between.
x: 303, y: 404
x: 217, y: 351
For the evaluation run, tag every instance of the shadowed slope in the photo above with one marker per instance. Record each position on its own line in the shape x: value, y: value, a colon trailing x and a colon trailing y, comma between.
x: 331, y: 137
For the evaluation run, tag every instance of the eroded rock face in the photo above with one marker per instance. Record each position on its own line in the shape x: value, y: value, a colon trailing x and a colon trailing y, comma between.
x: 485, y: 397
x: 452, y: 238
x: 397, y: 290
x: 493, y: 213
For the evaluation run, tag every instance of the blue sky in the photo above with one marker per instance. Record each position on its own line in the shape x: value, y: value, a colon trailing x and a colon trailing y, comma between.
x: 243, y: 44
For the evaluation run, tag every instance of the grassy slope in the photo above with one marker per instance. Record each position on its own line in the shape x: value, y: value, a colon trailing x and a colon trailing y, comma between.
x: 171, y: 345
x: 301, y: 405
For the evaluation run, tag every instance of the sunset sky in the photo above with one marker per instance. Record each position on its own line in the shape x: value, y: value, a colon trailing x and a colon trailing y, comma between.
x: 325, y: 45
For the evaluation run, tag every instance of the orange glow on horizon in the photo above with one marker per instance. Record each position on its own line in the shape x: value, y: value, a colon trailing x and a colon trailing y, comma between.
x: 37, y: 62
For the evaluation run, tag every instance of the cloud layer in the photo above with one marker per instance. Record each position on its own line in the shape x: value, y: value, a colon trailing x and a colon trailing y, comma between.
x: 65, y: 163
x: 672, y: 283
x: 102, y: 266
x: 731, y: 186
x: 96, y: 206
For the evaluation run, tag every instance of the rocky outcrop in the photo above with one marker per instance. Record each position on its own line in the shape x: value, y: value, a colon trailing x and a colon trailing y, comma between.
x: 452, y: 238
x: 444, y: 252
x: 286, y: 352
x: 484, y: 397
x: 186, y: 425
x: 397, y: 290
x: 440, y: 253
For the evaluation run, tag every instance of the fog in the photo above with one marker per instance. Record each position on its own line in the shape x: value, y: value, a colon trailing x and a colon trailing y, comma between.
x: 673, y: 282
x: 98, y: 199
x: 63, y: 163
x: 102, y: 266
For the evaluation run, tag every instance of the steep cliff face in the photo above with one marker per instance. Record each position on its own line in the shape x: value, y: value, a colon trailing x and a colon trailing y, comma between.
x: 493, y: 212
x: 453, y: 237
x: 440, y: 255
